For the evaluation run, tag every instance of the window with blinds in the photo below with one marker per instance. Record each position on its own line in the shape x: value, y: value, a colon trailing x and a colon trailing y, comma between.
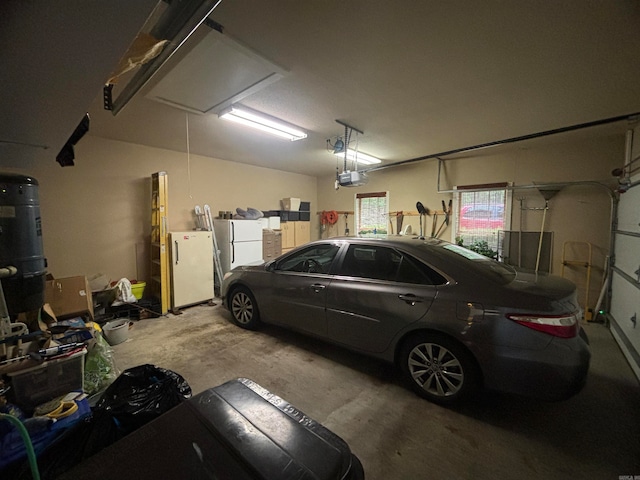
x: 481, y: 215
x: 372, y: 213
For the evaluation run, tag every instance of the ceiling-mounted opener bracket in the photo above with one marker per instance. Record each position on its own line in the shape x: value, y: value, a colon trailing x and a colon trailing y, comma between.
x: 349, y: 127
x: 348, y: 130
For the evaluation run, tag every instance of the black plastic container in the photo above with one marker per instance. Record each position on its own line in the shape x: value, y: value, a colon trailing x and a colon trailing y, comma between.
x: 235, y: 431
x: 283, y: 214
x: 21, y: 243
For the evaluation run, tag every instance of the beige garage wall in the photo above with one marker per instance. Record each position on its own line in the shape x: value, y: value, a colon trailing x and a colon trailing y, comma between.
x: 96, y: 215
x: 576, y: 213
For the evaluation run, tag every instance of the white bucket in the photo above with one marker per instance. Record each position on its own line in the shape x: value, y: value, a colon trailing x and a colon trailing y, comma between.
x: 116, y: 331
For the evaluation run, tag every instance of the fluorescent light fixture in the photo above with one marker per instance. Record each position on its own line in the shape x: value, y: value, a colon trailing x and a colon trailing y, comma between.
x: 251, y: 118
x: 361, y: 157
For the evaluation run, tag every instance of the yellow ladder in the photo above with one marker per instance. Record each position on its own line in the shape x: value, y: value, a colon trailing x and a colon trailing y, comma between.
x: 160, y: 278
x: 577, y: 262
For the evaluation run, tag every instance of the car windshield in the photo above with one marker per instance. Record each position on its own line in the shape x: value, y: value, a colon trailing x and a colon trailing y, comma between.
x: 499, y: 272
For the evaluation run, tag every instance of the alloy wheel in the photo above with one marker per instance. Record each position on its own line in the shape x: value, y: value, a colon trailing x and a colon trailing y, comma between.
x: 242, y: 308
x: 436, y: 370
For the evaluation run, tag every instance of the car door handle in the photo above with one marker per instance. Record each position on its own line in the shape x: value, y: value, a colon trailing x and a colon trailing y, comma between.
x: 410, y: 298
x: 317, y: 287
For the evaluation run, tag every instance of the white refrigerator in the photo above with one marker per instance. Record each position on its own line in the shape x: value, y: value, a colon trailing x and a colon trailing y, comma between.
x: 239, y: 242
x: 191, y: 268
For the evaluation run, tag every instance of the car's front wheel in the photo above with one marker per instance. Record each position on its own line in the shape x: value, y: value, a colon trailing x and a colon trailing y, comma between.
x: 244, y: 309
x: 438, y: 368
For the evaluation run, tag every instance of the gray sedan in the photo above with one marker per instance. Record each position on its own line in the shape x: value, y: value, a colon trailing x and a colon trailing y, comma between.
x: 452, y: 320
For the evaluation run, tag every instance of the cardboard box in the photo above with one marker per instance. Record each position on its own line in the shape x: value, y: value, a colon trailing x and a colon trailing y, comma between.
x: 290, y: 204
x: 69, y: 297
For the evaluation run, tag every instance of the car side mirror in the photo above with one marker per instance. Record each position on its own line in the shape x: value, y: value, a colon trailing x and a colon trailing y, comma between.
x: 270, y: 266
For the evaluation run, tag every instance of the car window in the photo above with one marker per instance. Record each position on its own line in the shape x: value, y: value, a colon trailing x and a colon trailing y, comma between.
x: 413, y: 271
x: 383, y: 263
x: 314, y: 259
x: 498, y: 271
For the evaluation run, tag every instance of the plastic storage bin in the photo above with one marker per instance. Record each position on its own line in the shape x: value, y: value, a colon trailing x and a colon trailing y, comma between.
x: 53, y: 378
x: 237, y: 430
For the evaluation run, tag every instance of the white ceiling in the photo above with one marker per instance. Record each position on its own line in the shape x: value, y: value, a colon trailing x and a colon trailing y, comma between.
x: 417, y: 77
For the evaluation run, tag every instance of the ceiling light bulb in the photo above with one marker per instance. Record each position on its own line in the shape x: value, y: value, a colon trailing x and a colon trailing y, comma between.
x: 361, y: 157
x: 251, y: 118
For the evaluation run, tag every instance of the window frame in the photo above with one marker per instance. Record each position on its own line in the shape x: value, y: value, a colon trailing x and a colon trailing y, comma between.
x: 506, y: 218
x: 384, y: 216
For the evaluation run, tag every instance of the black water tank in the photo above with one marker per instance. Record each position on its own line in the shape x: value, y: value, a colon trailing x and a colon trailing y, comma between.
x: 21, y: 243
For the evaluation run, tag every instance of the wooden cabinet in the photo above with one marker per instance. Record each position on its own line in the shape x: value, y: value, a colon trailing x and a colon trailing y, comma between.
x: 302, y: 232
x: 294, y: 234
x: 288, y: 239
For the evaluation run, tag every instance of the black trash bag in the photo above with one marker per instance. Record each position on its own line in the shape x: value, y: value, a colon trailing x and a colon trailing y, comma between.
x: 136, y: 397
x: 141, y: 394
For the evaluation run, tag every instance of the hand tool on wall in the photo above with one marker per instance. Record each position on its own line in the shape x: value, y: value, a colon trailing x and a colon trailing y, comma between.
x: 399, y: 219
x: 433, y: 225
x: 423, y: 211
x: 447, y: 217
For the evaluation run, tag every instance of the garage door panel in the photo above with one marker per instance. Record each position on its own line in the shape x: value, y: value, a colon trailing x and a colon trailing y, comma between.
x: 629, y: 212
x: 625, y: 304
x: 625, y: 294
x: 627, y: 257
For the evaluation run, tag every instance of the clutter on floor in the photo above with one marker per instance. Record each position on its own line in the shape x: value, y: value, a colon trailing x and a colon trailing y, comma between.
x: 56, y: 362
x: 64, y: 432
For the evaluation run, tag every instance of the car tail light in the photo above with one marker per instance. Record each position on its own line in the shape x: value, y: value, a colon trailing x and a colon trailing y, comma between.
x: 563, y: 326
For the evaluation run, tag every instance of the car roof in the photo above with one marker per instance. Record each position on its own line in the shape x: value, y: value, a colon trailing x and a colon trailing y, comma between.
x: 390, y: 240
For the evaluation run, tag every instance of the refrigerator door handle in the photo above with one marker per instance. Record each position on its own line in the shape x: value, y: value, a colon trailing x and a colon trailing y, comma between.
x: 233, y: 253
x: 233, y: 232
x: 177, y: 252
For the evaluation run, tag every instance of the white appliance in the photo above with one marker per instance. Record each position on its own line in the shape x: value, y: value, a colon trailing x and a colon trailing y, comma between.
x: 191, y: 268
x: 239, y: 242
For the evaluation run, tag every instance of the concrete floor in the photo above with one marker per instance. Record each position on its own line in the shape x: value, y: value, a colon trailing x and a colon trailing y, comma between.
x: 396, y: 434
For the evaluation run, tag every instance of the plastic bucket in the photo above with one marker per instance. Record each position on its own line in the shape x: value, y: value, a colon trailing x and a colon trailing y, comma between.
x: 138, y: 289
x: 116, y: 331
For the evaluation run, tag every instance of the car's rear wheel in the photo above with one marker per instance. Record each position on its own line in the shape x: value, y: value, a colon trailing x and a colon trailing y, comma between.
x: 244, y: 309
x: 438, y: 368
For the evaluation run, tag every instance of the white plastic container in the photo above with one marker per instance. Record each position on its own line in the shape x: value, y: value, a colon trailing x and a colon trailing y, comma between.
x: 274, y: 223
x: 116, y: 331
